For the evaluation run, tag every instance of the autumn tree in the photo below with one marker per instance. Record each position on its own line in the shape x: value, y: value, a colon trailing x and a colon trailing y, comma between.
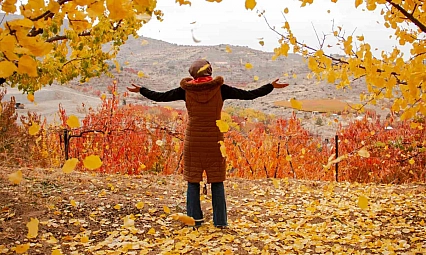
x: 392, y: 75
x: 59, y: 40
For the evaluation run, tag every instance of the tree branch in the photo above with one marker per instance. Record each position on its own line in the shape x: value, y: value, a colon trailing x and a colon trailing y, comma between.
x: 408, y: 15
x: 64, y: 37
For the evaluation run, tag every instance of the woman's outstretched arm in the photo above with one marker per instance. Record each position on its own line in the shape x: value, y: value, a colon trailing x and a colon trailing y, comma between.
x: 167, y: 96
x: 229, y: 92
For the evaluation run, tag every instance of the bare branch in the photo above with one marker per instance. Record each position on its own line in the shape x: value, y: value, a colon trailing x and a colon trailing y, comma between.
x: 319, y: 42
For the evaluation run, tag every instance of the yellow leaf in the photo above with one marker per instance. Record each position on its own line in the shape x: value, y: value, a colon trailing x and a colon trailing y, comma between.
x: 288, y: 157
x: 303, y: 151
x: 248, y: 66
x: 276, y: 183
x: 166, y: 209
x: 27, y: 65
x: 141, y: 74
x: 15, y: 177
x: 117, y: 207
x: 228, y: 49
x: 32, y: 228
x: 142, y: 166
x: 363, y: 153
x: 363, y: 202
x: 73, y: 203
x: 69, y: 165
x: 73, y: 122
x: 184, y: 218
x: 223, y: 126
x: 151, y: 231
x: 203, y: 68
x: 295, y: 104
x: 7, y: 68
x: 128, y: 221
x: 22, y: 248
x: 144, y: 42
x: 358, y: 3
x: 117, y: 9
x: 33, y: 130
x: 256, y: 78
x: 84, y: 239
x: 286, y: 10
x: 222, y: 148
x: 30, y: 97
x: 250, y: 4
x: 262, y: 43
x: 92, y: 162
x: 57, y: 252
x: 411, y: 161
x: 140, y: 205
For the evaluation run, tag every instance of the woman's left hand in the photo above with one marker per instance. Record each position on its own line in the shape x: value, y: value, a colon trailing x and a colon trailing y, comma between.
x: 279, y: 85
x: 135, y: 88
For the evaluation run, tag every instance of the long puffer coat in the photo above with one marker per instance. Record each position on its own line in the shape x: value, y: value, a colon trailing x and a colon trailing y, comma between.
x: 201, y: 147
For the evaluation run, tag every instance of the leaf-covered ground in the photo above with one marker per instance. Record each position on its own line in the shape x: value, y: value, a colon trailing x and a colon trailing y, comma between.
x: 81, y: 213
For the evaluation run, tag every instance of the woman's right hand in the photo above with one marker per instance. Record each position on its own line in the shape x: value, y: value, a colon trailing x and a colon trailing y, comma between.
x: 135, y: 88
x: 279, y: 85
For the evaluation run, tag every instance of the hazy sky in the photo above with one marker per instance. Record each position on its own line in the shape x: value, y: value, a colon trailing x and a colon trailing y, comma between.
x: 229, y: 22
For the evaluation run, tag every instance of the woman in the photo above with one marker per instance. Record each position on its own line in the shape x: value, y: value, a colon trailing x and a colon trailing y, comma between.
x: 204, y: 98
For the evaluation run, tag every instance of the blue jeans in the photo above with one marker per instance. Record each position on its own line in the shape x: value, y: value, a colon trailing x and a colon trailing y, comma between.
x: 193, y: 205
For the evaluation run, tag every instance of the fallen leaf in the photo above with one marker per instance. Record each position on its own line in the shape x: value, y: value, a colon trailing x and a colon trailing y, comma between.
x: 140, y: 205
x: 166, y: 209
x: 32, y: 228
x: 22, y: 248
x: 363, y: 202
x: 15, y: 177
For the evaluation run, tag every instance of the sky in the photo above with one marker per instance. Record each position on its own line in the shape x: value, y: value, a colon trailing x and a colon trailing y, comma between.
x: 230, y: 23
